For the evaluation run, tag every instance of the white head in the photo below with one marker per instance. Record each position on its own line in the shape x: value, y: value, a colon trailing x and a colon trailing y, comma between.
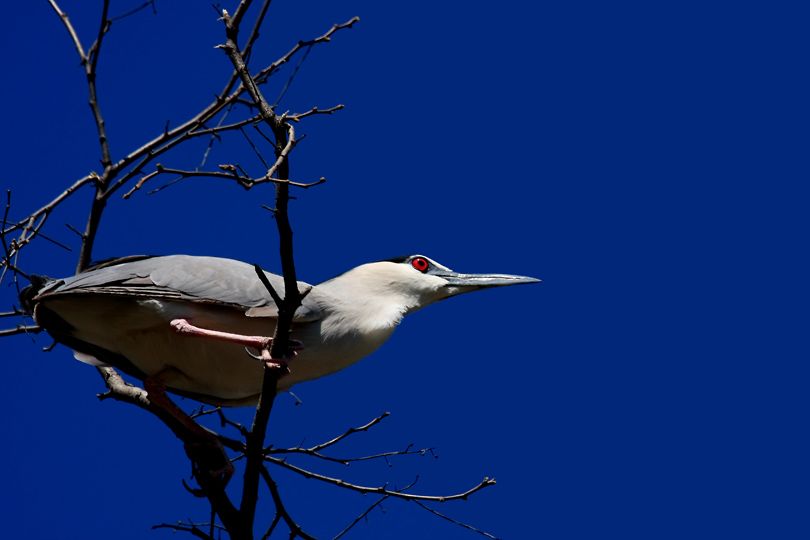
x: 409, y: 283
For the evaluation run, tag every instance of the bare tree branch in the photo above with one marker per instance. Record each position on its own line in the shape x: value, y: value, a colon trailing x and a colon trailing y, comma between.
x: 21, y: 330
x: 106, y: 161
x: 292, y: 296
x: 350, y: 431
x: 315, y: 450
x: 241, y: 179
x: 486, y: 482
x: 118, y: 174
x: 263, y: 75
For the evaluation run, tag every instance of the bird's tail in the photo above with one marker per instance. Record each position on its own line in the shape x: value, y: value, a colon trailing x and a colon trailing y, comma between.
x: 28, y: 294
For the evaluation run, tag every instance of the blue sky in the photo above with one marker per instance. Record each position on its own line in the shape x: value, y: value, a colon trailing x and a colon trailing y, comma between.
x: 648, y: 162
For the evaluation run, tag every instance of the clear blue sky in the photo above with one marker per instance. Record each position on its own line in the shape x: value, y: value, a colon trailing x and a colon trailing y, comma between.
x: 647, y: 161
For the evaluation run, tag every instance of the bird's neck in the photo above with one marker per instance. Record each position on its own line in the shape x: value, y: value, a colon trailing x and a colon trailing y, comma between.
x: 367, y: 305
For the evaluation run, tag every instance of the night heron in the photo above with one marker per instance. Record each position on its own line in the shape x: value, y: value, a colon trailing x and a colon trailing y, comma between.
x: 143, y: 316
x: 183, y: 323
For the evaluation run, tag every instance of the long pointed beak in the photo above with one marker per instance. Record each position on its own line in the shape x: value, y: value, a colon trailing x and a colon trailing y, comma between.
x: 474, y: 282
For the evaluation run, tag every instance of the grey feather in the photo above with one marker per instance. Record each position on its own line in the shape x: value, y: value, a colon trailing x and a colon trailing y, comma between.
x: 210, y: 280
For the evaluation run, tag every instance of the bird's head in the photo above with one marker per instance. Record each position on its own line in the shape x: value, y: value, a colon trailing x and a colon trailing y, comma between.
x: 414, y: 281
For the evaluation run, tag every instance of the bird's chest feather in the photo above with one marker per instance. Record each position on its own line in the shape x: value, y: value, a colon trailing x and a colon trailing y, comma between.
x: 332, y: 344
x: 140, y: 331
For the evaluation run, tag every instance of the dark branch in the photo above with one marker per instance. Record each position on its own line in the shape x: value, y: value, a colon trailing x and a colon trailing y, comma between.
x: 245, y: 181
x: 295, y: 529
x: 486, y: 482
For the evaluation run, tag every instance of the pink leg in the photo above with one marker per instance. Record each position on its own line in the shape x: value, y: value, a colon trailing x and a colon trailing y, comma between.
x: 182, y: 326
x: 207, y: 453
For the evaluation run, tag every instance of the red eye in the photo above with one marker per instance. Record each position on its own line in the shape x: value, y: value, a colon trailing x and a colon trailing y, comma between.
x: 420, y: 264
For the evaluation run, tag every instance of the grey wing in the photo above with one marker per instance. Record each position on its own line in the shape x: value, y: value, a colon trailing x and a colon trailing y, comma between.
x: 184, y: 277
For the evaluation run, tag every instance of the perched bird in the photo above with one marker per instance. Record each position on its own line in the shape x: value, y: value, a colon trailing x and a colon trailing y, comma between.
x: 186, y: 321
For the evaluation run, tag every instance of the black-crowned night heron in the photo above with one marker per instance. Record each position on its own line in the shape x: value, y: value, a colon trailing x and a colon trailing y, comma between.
x: 140, y: 316
x: 183, y: 323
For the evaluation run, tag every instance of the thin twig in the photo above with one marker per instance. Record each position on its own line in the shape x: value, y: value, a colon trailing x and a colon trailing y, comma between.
x: 48, y: 208
x: 63, y: 16
x: 451, y: 520
x: 262, y: 76
x: 370, y: 508
x: 254, y: 34
x: 312, y: 111
x: 347, y: 461
x: 486, y: 482
x: 136, y: 10
x: 361, y: 516
x: 291, y: 77
x: 350, y: 431
x: 314, y: 451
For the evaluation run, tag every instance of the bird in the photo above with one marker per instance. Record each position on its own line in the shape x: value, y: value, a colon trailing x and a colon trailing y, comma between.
x: 187, y: 325
x: 187, y: 320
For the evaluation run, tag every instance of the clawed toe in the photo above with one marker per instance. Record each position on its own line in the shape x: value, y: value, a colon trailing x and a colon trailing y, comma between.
x: 279, y: 363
